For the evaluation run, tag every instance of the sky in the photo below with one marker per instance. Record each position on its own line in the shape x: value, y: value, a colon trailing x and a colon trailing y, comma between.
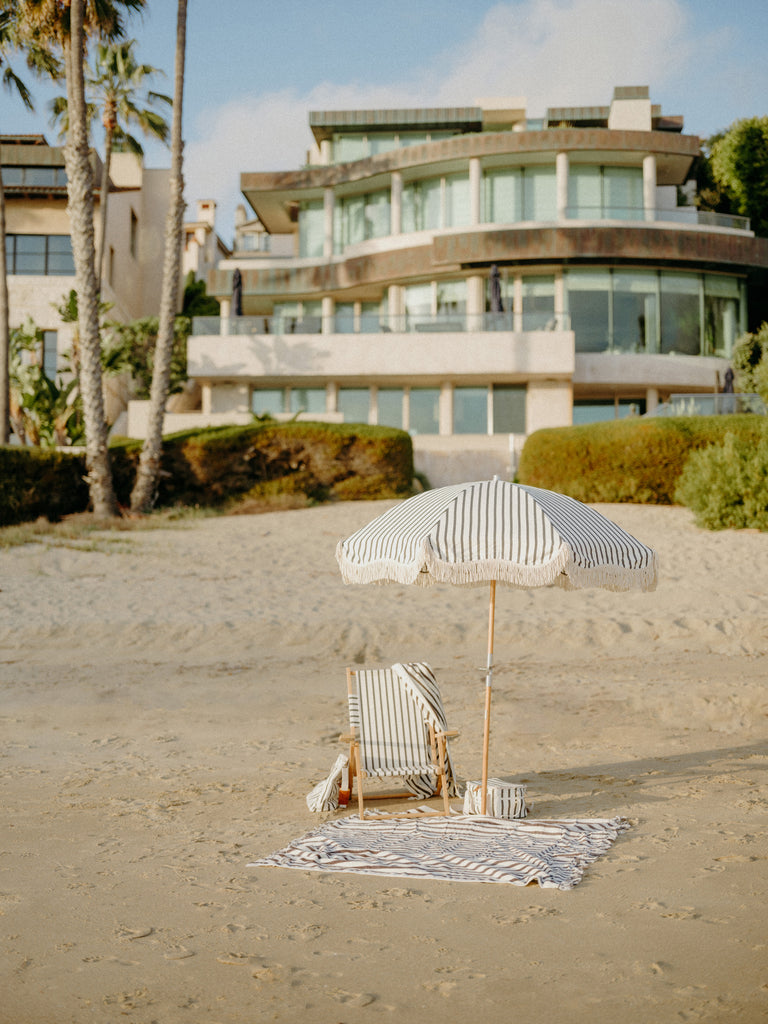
x: 254, y: 70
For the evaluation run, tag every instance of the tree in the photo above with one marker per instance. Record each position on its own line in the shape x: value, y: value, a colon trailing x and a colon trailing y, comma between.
x: 68, y: 26
x: 41, y: 62
x: 739, y: 162
x: 113, y: 84
x: 149, y: 462
x: 750, y: 363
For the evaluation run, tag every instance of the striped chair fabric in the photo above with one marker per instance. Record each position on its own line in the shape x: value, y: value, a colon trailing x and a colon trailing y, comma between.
x: 396, y: 716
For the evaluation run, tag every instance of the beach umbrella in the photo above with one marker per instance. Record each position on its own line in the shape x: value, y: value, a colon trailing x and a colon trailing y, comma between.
x: 493, y: 531
x: 237, y: 293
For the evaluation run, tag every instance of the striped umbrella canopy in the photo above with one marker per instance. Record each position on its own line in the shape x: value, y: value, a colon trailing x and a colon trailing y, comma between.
x: 493, y: 531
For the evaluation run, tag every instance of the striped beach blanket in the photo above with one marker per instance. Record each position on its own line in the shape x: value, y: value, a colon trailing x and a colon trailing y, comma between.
x: 462, y: 848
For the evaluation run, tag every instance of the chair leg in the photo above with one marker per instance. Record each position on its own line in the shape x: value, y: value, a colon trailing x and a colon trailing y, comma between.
x: 442, y: 754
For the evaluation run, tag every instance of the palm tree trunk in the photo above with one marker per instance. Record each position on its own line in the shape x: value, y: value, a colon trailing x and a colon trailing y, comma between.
x: 151, y: 452
x: 5, y: 331
x: 80, y: 192
x: 103, y: 198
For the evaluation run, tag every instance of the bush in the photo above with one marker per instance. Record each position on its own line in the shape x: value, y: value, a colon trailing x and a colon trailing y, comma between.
x: 634, y: 460
x: 217, y: 467
x: 726, y: 485
x: 38, y: 482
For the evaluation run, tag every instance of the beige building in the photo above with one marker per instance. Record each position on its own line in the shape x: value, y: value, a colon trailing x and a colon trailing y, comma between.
x: 41, y: 269
x: 472, y: 275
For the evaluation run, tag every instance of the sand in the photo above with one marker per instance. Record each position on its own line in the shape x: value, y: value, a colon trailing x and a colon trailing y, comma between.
x: 169, y: 698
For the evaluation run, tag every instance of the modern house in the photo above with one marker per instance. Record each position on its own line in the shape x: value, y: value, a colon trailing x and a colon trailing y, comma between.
x: 472, y: 275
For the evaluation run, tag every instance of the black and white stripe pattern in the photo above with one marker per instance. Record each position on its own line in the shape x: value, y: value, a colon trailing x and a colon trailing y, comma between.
x: 390, y: 714
x: 496, y: 530
x: 553, y: 853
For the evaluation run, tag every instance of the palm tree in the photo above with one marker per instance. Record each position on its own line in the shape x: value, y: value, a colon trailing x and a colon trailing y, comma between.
x: 41, y: 62
x: 151, y: 452
x: 69, y: 26
x: 112, y: 84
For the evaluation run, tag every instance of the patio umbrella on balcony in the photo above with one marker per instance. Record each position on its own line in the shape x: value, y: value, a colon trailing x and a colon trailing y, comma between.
x: 497, y: 304
x: 237, y: 293
x: 492, y: 531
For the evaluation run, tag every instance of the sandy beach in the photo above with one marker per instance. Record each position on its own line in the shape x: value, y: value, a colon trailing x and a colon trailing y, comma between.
x: 170, y: 696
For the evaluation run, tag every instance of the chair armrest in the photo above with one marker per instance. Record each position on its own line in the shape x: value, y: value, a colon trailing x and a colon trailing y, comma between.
x: 450, y: 734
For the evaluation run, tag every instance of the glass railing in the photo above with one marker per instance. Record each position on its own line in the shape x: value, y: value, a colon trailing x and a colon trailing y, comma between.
x: 413, y: 323
x: 676, y: 215
x: 710, y: 405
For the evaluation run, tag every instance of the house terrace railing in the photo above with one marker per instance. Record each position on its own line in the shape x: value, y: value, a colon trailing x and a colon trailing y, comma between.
x: 676, y: 215
x: 447, y: 323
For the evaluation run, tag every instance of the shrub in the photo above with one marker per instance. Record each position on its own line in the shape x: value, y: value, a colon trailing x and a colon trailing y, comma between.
x: 634, y: 460
x: 40, y: 482
x: 726, y: 485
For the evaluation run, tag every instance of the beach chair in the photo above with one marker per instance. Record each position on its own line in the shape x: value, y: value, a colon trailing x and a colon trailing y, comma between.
x: 398, y: 729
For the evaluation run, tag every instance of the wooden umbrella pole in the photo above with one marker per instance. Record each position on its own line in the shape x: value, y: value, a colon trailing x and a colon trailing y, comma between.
x: 488, y: 688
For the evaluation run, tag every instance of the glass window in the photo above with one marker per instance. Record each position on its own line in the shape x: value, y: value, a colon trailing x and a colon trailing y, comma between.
x: 421, y: 203
x: 539, y: 194
x: 30, y: 254
x: 600, y: 410
x: 354, y: 403
x: 349, y: 147
x: 722, y: 314
x: 370, y: 317
x: 344, y: 318
x: 509, y: 409
x: 285, y: 317
x: 424, y: 411
x: 456, y: 201
x: 267, y: 401
x: 635, y: 306
x: 412, y: 138
x: 311, y: 320
x: 623, y: 193
x: 390, y: 404
x: 470, y: 410
x: 584, y: 199
x: 50, y: 354
x: 418, y: 304
x: 538, y: 303
x: 39, y: 176
x: 311, y: 228
x: 377, y: 215
x: 452, y: 298
x: 13, y: 175
x: 680, y: 313
x: 589, y: 308
x: 503, y: 197
x: 60, y: 258
x: 311, y: 400
x: 382, y: 142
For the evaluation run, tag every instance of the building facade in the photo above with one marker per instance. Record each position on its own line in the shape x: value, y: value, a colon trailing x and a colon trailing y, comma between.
x: 472, y: 275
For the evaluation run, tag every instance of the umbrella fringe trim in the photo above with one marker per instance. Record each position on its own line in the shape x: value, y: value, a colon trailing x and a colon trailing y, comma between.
x: 611, y: 577
x: 483, y: 570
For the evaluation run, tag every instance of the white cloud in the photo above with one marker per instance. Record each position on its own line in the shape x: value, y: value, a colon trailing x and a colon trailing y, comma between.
x: 553, y: 52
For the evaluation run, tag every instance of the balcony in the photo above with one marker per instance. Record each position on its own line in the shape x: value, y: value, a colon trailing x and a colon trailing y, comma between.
x: 251, y: 348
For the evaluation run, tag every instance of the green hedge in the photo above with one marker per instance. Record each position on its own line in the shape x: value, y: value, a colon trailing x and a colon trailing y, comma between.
x: 633, y: 460
x: 38, y: 482
x: 217, y: 466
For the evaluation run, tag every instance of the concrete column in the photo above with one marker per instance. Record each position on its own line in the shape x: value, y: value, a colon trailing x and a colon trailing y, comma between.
x: 475, y: 302
x: 649, y: 186
x: 446, y: 410
x: 328, y: 307
x: 651, y: 399
x: 205, y: 399
x: 373, y: 408
x: 475, y: 185
x: 224, y: 314
x: 326, y: 151
x: 328, y: 204
x: 396, y: 203
x: 560, y: 303
x: 561, y: 179
x: 517, y: 303
x: 331, y: 396
x: 395, y: 307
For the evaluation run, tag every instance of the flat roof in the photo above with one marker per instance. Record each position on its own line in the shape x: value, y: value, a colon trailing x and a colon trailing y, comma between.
x: 324, y: 123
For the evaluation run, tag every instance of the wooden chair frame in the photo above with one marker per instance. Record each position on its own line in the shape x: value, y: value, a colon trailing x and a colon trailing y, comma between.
x: 438, y: 741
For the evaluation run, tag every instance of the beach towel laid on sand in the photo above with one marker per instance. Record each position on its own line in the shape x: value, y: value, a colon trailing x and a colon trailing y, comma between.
x: 461, y: 848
